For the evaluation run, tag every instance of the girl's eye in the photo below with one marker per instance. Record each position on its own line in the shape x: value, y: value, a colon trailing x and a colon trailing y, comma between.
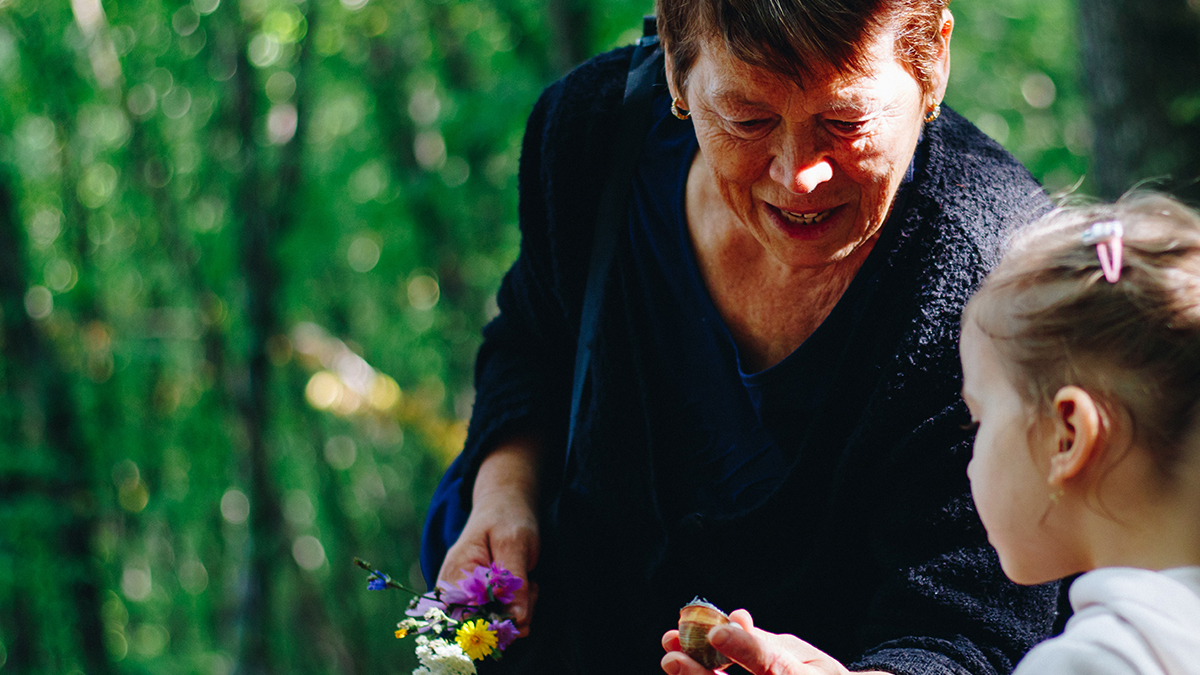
x: 971, y: 426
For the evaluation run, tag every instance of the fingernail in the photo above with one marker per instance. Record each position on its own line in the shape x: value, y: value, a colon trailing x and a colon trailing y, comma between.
x: 718, y: 636
x: 671, y: 667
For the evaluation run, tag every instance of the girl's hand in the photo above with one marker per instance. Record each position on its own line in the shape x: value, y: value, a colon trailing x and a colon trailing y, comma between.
x: 756, y: 650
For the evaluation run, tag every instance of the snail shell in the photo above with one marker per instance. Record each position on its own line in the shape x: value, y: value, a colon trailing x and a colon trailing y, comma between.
x: 695, y: 620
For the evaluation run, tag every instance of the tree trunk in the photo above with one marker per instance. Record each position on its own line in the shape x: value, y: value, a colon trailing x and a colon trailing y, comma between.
x: 1142, y: 70
x: 268, y: 200
x: 36, y: 379
x: 570, y: 24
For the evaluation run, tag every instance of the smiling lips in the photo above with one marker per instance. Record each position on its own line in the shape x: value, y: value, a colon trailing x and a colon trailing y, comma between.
x: 804, y: 218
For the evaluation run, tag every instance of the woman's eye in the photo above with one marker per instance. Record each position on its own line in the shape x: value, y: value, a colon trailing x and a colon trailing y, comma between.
x: 848, y: 127
x: 749, y: 127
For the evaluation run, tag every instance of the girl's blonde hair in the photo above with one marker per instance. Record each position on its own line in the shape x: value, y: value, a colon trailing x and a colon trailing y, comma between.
x: 1134, y: 345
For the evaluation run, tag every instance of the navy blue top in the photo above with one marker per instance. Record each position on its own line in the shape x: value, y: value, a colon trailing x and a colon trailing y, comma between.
x: 735, y: 432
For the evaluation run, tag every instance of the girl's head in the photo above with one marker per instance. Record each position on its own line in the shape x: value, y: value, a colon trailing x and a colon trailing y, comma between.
x: 1069, y: 372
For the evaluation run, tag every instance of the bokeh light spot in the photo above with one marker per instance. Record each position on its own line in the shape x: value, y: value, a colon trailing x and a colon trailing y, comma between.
x: 193, y: 576
x: 340, y: 452
x: 149, y: 640
x: 60, y: 275
x: 429, y: 148
x: 384, y: 394
x: 39, y: 302
x: 323, y: 391
x: 281, y: 123
x: 1038, y: 90
x: 263, y: 50
x: 97, y: 185
x: 363, y: 254
x: 235, y: 506
x: 423, y: 291
x: 308, y: 552
x: 298, y: 508
x: 280, y: 87
x: 136, y: 583
x: 176, y: 102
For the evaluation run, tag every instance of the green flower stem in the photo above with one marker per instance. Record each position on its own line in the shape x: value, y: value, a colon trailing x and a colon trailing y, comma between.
x: 392, y: 583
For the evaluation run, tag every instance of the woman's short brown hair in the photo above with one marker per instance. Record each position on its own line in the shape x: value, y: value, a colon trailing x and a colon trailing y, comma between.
x: 795, y: 37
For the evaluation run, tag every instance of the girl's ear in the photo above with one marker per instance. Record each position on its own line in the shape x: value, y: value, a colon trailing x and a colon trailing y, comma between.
x: 1077, y: 434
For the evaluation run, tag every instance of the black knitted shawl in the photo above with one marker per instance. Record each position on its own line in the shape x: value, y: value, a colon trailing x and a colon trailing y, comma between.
x: 871, y: 549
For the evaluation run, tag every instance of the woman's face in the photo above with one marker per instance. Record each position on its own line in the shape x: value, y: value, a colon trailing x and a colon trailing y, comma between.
x: 1011, y: 489
x: 810, y: 171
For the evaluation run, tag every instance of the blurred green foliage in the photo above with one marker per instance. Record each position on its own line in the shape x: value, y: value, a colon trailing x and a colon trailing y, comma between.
x: 1015, y: 73
x: 247, y: 250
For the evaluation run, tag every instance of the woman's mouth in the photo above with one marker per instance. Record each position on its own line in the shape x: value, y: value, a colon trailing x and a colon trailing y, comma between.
x: 811, y: 225
x: 805, y: 218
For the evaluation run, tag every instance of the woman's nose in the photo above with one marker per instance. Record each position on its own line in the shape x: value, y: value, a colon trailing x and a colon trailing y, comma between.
x: 801, y: 172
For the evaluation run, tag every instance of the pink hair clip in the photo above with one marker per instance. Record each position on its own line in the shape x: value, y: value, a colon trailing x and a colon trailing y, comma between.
x: 1107, y: 236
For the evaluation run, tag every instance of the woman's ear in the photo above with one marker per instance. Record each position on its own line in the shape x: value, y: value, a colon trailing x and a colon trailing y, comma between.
x: 942, y: 63
x: 1077, y: 430
x: 669, y: 67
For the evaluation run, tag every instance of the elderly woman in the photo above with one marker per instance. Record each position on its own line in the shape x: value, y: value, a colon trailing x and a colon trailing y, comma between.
x: 771, y: 417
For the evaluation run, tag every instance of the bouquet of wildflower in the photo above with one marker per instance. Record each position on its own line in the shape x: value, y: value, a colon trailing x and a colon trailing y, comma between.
x: 459, y: 624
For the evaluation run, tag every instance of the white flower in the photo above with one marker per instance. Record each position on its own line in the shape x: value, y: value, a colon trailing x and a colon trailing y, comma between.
x: 441, y: 657
x: 436, y: 615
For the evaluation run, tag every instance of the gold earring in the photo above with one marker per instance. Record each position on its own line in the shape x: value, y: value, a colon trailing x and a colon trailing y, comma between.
x: 933, y: 114
x: 1056, y: 495
x: 681, y: 113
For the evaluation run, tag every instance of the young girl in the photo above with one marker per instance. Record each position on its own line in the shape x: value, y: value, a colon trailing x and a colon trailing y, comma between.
x: 1081, y: 368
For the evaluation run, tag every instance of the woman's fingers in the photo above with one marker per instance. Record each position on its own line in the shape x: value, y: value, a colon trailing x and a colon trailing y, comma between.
x: 505, y: 534
x: 670, y: 641
x: 756, y: 650
x: 764, y: 653
x: 518, y: 554
x: 751, y: 648
x: 678, y: 663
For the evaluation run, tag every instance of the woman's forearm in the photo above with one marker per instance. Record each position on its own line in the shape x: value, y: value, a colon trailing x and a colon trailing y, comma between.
x: 509, y: 471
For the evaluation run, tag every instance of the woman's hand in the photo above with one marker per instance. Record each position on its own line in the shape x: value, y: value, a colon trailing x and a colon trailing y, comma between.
x: 756, y: 650
x: 503, y: 526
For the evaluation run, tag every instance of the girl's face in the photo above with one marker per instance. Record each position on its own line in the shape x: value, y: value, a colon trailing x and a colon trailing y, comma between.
x: 1008, y: 472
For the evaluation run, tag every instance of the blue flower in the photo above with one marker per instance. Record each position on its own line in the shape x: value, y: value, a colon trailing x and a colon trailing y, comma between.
x: 376, y: 583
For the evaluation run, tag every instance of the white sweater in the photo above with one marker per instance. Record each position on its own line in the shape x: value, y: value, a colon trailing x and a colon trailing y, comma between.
x: 1127, y: 621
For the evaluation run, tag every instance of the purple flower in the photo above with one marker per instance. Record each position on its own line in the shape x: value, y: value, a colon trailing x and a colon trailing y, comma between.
x: 506, y: 632
x: 503, y: 583
x: 476, y: 586
x: 376, y: 584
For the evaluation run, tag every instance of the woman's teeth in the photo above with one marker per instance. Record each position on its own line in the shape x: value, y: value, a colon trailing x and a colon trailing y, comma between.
x: 805, y: 218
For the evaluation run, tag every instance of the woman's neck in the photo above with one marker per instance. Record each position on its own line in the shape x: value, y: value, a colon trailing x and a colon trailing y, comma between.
x: 769, y: 308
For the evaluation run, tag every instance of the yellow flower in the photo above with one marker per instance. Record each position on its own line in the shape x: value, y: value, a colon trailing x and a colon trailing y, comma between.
x: 475, y: 639
x: 401, y: 632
